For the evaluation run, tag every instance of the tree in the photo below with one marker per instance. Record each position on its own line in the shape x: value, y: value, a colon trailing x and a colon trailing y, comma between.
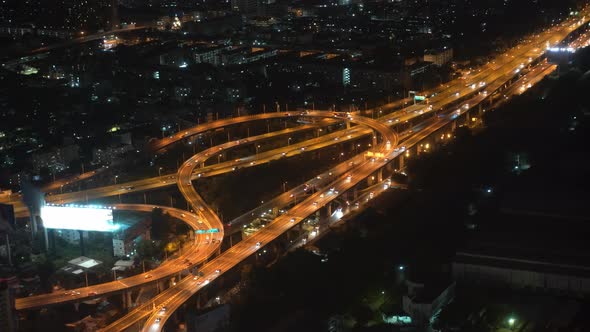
x: 159, y: 230
x: 147, y: 249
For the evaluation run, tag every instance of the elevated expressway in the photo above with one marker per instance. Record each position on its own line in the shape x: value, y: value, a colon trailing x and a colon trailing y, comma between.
x: 174, y: 297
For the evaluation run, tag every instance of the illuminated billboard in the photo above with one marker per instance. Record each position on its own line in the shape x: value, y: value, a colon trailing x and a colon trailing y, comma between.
x: 78, y: 217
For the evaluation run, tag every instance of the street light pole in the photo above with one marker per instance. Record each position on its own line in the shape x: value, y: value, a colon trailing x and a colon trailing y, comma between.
x: 160, y: 171
x: 116, y: 176
x: 257, y: 147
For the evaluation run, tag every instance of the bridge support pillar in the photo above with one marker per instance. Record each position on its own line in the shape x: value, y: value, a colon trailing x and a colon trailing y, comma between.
x: 380, y: 175
x: 347, y: 124
x: 329, y: 209
x: 160, y: 286
x: 453, y: 125
x: 374, y: 138
x: 401, y: 159
x: 127, y: 302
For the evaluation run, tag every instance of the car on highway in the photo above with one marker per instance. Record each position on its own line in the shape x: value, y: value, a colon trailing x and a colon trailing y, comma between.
x: 218, y: 271
x: 292, y: 220
x: 258, y: 244
x: 157, y: 320
x: 92, y: 293
x: 163, y: 310
x: 147, y: 276
x: 315, y: 203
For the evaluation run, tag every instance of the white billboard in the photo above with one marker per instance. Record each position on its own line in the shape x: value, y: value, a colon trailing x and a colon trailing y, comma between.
x: 78, y: 217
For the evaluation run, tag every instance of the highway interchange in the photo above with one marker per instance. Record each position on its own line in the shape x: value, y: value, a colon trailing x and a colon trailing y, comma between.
x: 463, y: 94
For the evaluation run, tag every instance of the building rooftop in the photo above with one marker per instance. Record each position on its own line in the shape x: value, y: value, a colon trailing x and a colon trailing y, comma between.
x: 84, y: 262
x: 530, y: 243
